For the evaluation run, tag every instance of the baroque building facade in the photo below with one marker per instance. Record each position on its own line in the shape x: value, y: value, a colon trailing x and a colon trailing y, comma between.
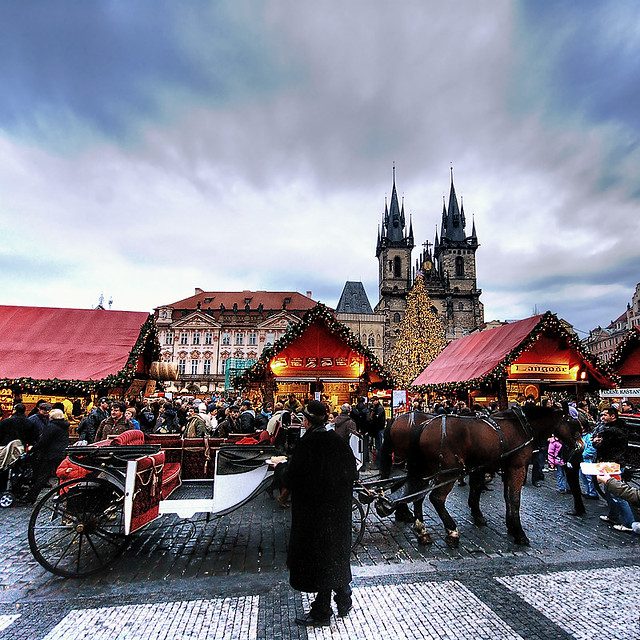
x: 448, y: 265
x: 213, y: 335
x: 602, y: 342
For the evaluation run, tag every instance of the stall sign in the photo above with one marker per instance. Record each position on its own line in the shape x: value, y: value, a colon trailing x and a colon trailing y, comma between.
x: 6, y: 399
x: 544, y: 368
x: 631, y: 392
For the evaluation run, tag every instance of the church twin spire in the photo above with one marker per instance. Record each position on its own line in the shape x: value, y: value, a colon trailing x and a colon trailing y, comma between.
x: 393, y: 231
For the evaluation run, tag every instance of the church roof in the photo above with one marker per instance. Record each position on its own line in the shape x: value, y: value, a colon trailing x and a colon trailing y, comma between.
x: 354, y: 299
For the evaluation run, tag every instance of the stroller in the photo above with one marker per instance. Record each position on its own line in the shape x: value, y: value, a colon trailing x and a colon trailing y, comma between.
x: 16, y: 473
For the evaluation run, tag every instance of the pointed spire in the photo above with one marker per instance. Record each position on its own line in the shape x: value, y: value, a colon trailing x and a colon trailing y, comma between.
x: 411, y: 228
x: 454, y: 228
x: 402, y: 218
x: 464, y: 222
x: 473, y: 228
x: 395, y: 225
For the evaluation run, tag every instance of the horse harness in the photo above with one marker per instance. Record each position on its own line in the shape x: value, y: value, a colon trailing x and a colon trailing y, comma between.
x: 416, y: 430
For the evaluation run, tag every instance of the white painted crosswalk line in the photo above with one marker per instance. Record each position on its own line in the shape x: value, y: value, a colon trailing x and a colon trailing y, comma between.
x: 6, y: 620
x: 427, y: 610
x: 216, y: 619
x: 587, y: 604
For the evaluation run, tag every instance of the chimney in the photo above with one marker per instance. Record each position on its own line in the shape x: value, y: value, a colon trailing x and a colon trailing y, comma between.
x: 309, y: 294
x: 198, y: 290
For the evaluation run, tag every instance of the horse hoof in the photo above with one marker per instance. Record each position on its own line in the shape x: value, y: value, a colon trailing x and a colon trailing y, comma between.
x: 523, y: 541
x: 480, y: 521
x: 453, y: 542
x: 425, y: 539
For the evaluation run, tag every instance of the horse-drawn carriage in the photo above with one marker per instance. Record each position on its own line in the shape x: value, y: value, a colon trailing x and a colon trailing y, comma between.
x: 114, y: 488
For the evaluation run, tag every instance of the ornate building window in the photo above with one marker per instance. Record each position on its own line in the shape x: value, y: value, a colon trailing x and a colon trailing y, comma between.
x: 183, y: 337
x: 371, y: 342
x: 196, y: 337
x: 207, y: 367
x: 226, y: 339
x: 253, y: 338
x: 182, y: 365
x: 208, y: 337
x: 239, y: 338
x: 194, y: 367
x: 397, y: 267
x: 459, y: 267
x: 169, y: 337
x: 270, y: 339
x: 396, y: 317
x: 461, y: 306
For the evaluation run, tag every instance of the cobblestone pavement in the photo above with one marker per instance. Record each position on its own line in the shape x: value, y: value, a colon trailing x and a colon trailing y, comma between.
x: 227, y: 579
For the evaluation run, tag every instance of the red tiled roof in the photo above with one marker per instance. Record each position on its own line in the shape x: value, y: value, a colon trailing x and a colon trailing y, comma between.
x: 477, y: 354
x: 68, y: 344
x: 270, y: 300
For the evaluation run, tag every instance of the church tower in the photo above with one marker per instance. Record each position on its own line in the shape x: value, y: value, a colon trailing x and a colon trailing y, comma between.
x: 453, y: 281
x: 393, y: 251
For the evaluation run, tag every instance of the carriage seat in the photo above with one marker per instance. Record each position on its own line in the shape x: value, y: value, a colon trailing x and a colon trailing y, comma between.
x: 133, y: 436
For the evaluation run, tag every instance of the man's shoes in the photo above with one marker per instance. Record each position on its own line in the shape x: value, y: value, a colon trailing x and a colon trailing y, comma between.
x: 308, y: 620
x: 343, y: 612
x: 537, y: 483
x: 621, y: 527
x: 577, y: 514
x: 606, y: 519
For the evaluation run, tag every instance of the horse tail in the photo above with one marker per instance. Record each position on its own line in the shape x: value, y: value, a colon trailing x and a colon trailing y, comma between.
x: 386, y: 452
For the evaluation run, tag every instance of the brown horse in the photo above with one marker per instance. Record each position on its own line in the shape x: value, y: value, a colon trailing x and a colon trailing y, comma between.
x: 439, y: 449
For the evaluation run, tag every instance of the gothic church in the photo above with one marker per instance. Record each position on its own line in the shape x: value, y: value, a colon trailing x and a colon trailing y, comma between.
x: 449, y: 270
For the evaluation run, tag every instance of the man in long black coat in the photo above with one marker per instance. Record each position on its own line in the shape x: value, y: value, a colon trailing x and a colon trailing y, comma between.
x: 320, y: 476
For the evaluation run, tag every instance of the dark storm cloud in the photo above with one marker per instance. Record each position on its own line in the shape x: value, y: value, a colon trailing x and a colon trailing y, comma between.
x: 111, y: 64
x: 596, y: 55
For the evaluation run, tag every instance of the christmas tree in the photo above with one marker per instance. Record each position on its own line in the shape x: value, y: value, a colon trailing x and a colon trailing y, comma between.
x: 420, y: 340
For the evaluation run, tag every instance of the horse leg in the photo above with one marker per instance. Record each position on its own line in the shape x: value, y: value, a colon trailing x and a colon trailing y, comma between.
x: 403, y: 513
x: 438, y: 498
x: 476, y: 483
x: 424, y: 537
x: 513, y: 481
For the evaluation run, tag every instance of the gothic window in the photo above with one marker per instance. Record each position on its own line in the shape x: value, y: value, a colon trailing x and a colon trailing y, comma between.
x: 378, y: 340
x: 397, y: 267
x: 226, y: 339
x: 396, y: 317
x: 239, y: 338
x: 194, y: 367
x: 391, y: 266
x: 196, y: 337
x: 253, y: 338
x: 208, y: 337
x: 182, y: 365
x: 207, y: 367
x: 371, y: 342
x: 460, y: 306
x: 459, y: 267
x: 183, y: 337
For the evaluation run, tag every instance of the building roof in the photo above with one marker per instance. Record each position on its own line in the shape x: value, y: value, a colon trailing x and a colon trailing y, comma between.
x: 354, y: 299
x: 46, y: 343
x: 270, y: 300
x: 479, y: 354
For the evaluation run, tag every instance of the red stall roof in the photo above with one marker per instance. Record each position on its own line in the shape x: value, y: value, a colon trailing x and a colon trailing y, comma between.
x: 68, y: 344
x: 478, y: 354
x: 475, y: 355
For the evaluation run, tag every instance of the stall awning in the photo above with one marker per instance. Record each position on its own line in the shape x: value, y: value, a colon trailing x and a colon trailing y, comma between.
x: 541, y: 338
x: 66, y: 344
x: 476, y: 355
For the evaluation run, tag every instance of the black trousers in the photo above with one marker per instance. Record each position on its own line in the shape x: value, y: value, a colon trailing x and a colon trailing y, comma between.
x: 321, y: 606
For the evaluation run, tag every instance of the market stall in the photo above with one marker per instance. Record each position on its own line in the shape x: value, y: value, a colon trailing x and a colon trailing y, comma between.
x: 524, y: 358
x: 317, y: 357
x: 73, y: 355
x: 625, y: 363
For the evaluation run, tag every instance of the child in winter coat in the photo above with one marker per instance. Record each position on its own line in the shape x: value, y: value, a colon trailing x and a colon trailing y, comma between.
x: 555, y: 460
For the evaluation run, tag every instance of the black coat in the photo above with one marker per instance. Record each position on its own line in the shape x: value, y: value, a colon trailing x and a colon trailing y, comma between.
x: 18, y: 427
x: 320, y: 476
x: 54, y: 439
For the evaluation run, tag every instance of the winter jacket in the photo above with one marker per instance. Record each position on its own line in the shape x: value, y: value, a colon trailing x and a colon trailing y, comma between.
x: 553, y: 455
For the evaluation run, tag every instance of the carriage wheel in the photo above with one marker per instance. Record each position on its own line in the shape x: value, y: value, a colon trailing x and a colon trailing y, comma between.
x: 77, y: 528
x: 6, y: 499
x: 358, y: 518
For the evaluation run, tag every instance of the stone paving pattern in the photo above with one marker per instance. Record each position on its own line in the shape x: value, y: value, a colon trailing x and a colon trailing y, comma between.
x: 187, y: 571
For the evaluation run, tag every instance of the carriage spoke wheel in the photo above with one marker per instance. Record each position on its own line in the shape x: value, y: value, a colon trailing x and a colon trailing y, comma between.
x: 77, y: 528
x: 358, y: 518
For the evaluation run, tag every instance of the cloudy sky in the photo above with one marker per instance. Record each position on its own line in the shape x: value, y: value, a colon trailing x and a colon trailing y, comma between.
x: 148, y: 147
